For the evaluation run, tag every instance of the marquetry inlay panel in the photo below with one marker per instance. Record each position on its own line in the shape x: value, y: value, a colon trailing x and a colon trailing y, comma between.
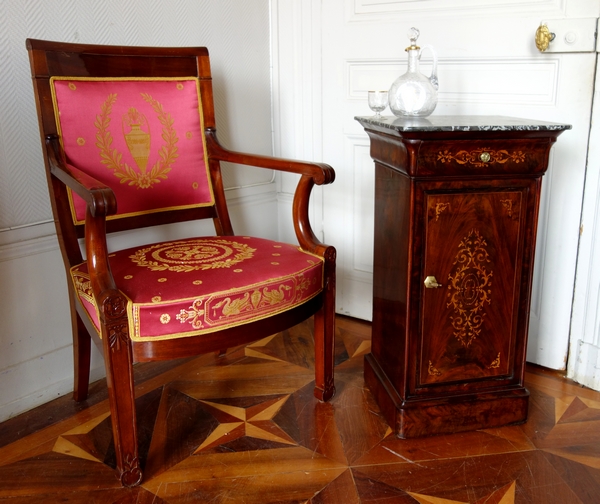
x: 467, y: 325
x: 469, y: 288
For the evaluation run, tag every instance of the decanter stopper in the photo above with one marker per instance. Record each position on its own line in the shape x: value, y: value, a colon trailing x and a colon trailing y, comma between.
x: 413, y: 35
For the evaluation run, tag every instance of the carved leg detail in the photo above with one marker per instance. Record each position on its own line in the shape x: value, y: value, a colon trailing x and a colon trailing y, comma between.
x: 324, y: 348
x: 131, y: 475
x: 121, y: 391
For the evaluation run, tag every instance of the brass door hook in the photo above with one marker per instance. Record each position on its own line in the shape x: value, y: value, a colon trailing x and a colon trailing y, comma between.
x: 543, y: 37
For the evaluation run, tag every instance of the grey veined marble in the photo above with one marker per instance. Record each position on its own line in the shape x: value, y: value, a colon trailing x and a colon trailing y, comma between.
x: 461, y: 123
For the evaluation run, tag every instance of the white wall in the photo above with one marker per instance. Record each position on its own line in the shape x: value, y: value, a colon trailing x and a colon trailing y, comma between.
x: 35, y: 339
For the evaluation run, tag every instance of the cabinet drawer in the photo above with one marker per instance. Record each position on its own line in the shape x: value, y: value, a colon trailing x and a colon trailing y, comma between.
x: 480, y: 158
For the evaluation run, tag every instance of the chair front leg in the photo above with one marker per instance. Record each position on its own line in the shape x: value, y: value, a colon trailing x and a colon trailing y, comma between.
x: 324, y: 321
x: 119, y: 376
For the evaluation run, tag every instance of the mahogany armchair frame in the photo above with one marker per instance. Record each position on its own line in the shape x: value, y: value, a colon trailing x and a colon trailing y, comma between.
x: 49, y: 59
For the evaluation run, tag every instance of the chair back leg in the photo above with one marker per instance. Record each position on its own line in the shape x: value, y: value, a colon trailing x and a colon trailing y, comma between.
x: 81, y: 358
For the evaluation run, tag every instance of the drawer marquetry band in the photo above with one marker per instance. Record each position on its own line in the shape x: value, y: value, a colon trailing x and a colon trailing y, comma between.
x: 481, y: 157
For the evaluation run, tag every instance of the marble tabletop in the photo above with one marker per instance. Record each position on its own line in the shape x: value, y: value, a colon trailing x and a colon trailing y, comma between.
x: 461, y: 123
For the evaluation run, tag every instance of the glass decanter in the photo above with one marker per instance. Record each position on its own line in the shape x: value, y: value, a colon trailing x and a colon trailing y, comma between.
x: 413, y: 94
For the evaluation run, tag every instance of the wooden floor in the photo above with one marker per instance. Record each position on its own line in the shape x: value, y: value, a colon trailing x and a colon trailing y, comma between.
x: 245, y: 428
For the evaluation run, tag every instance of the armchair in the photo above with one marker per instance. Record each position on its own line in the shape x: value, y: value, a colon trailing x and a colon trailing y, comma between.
x: 129, y: 141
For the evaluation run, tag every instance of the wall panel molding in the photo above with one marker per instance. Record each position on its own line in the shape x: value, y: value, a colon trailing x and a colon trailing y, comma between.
x: 17, y: 242
x: 28, y: 248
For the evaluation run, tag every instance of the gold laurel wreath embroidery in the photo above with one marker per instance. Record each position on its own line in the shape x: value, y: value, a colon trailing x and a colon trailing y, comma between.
x: 112, y: 158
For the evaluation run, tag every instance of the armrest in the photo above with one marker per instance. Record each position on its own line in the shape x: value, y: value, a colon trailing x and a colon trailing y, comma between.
x: 100, y: 198
x: 321, y: 173
x: 101, y: 202
x: 311, y: 174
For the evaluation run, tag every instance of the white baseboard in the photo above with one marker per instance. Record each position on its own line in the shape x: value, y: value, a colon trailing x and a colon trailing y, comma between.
x: 27, y: 241
x: 586, y: 367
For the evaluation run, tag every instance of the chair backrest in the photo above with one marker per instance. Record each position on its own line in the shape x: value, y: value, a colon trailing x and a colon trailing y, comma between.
x: 134, y: 119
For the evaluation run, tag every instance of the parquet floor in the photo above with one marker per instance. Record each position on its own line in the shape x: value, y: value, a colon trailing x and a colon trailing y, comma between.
x: 245, y: 428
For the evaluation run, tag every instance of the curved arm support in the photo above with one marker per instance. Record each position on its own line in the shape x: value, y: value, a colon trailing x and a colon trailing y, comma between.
x: 100, y: 198
x: 304, y: 233
x: 101, y: 278
x: 321, y: 173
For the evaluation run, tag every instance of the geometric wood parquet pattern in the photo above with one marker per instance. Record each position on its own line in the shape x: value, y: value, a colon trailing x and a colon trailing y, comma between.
x: 246, y: 428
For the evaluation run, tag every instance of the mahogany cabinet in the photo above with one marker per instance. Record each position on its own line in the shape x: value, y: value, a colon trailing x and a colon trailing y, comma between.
x: 456, y: 209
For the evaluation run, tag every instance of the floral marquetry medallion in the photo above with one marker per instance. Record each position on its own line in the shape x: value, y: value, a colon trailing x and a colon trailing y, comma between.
x: 469, y: 288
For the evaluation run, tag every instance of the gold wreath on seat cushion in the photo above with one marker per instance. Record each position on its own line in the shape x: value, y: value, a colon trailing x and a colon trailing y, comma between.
x: 192, y: 255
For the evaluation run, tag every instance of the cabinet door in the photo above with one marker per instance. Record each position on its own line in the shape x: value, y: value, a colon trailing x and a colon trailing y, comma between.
x: 473, y: 247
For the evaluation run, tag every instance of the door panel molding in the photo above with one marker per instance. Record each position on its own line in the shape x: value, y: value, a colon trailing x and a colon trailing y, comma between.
x: 363, y: 10
x: 522, y: 81
x: 584, y: 356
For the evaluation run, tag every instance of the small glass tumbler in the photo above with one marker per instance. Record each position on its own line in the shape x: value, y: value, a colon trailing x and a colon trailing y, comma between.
x: 378, y: 101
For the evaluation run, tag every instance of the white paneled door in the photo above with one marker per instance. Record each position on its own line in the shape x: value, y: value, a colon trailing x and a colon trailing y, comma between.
x: 488, y: 64
x: 584, y: 355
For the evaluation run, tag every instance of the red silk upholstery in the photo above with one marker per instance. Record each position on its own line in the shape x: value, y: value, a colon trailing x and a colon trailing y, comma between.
x: 192, y: 287
x: 143, y: 138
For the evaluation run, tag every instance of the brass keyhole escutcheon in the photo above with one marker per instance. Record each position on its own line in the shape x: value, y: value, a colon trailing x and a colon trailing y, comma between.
x: 543, y: 37
x: 431, y: 283
x: 485, y: 157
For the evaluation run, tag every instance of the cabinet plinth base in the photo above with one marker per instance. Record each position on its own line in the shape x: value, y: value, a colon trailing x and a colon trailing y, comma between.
x: 448, y: 414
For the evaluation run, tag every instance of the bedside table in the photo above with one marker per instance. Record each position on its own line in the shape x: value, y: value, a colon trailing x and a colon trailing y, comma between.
x: 456, y: 209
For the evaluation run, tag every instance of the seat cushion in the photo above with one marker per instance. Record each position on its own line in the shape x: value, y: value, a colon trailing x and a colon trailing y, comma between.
x: 196, y: 286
